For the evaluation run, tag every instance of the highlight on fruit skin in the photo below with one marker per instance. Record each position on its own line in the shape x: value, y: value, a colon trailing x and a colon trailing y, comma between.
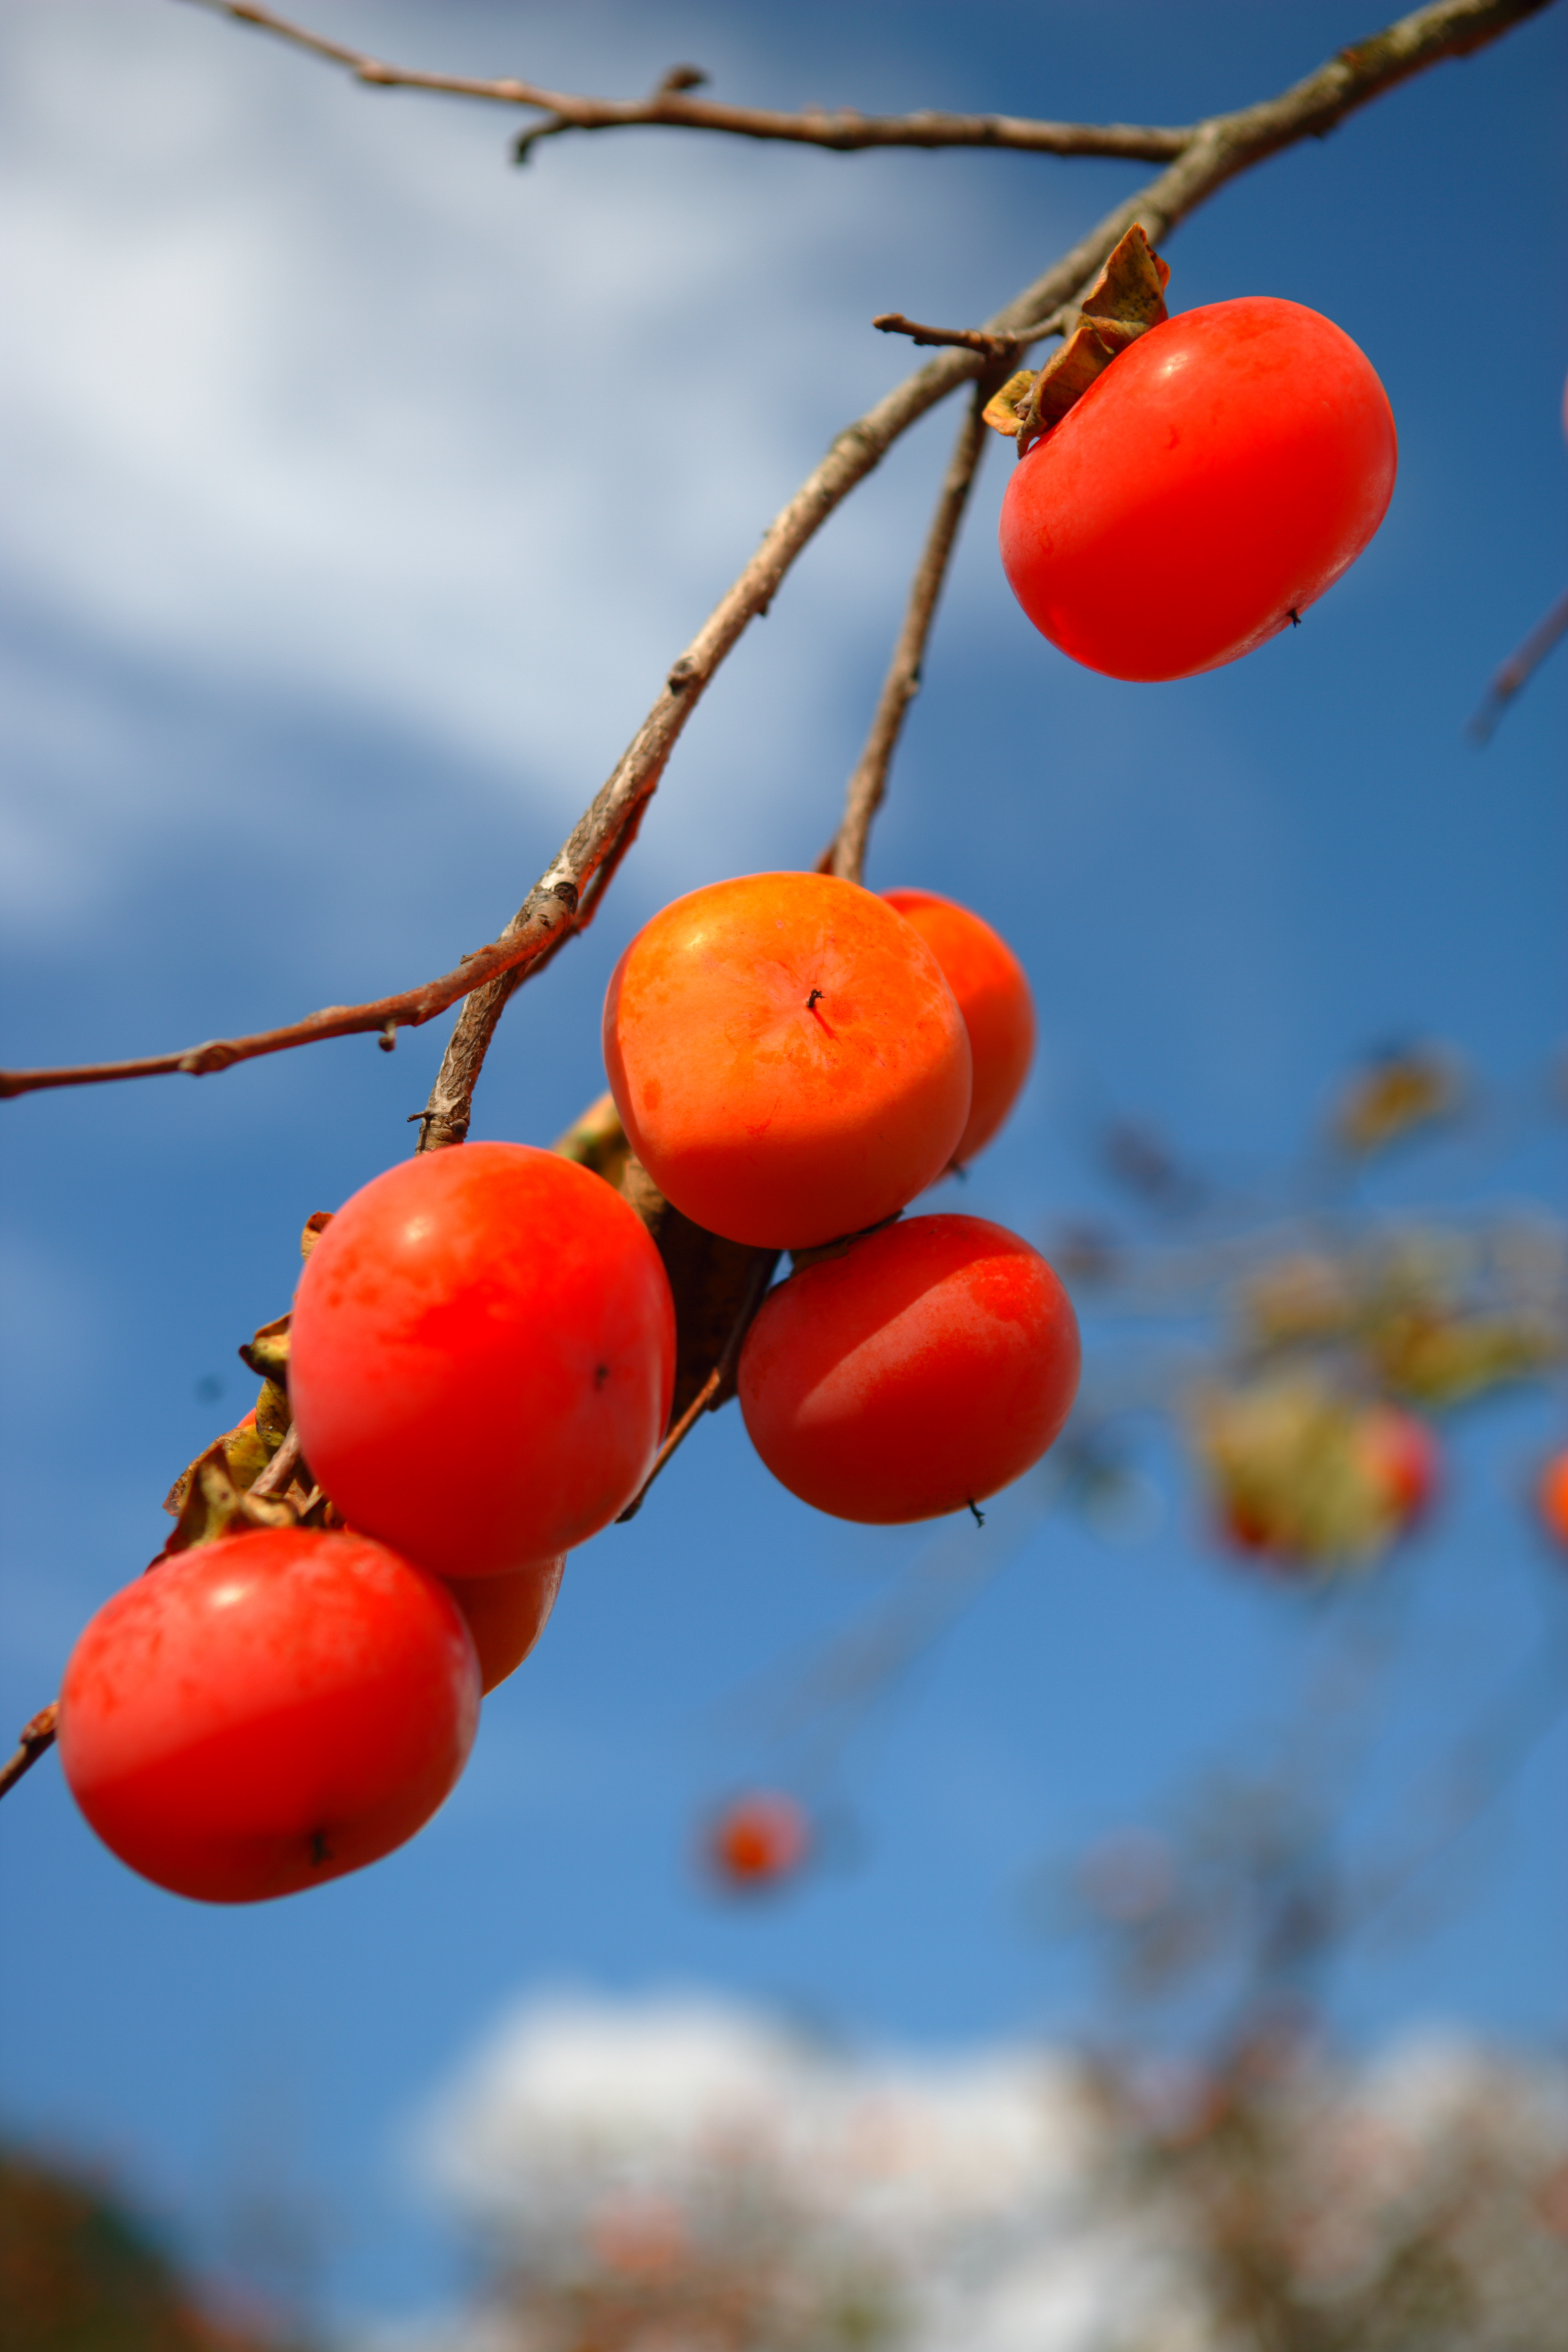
x: 483, y: 1357
x: 788, y: 1060
x: 1224, y: 471
x: 505, y: 1615
x: 994, y: 998
x: 921, y: 1369
x: 758, y: 1841
x: 267, y: 1712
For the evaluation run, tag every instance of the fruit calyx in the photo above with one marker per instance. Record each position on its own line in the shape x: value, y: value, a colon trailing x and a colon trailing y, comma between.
x: 216, y: 1504
x: 1126, y: 299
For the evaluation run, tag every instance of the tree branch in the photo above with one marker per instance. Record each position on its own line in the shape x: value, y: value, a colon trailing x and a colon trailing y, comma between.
x: 1518, y: 670
x: 669, y: 108
x: 1216, y: 153
x: 969, y: 339
x: 38, y: 1736
x: 863, y: 795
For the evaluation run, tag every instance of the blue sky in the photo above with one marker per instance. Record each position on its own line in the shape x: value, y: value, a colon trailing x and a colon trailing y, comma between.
x: 359, y: 489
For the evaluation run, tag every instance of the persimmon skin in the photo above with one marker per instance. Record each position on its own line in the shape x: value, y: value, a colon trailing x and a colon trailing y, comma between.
x: 994, y: 996
x: 267, y: 1712
x: 932, y: 1364
x: 482, y: 1357
x: 787, y: 1057
x: 1224, y: 471
x: 505, y: 1615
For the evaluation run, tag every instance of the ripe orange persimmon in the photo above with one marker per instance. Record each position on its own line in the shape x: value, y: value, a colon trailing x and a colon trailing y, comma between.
x: 267, y: 1711
x: 930, y: 1364
x: 992, y: 993
x: 1552, y: 1498
x: 757, y: 1840
x: 787, y: 1057
x: 482, y: 1357
x: 506, y: 1615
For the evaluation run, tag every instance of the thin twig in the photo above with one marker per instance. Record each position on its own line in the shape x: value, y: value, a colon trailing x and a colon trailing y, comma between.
x: 965, y: 339
x: 38, y: 1736
x: 716, y: 1389
x: 1518, y: 670
x: 863, y: 796
x: 669, y: 108
x: 1217, y: 151
x: 518, y: 944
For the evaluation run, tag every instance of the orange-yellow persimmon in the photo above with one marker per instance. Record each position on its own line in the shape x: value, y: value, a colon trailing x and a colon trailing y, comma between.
x: 992, y: 993
x: 1551, y: 1495
x: 930, y: 1364
x: 787, y: 1058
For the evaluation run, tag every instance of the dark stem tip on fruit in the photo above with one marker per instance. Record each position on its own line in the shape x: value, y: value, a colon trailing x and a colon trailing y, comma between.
x: 979, y: 1514
x: 811, y: 1002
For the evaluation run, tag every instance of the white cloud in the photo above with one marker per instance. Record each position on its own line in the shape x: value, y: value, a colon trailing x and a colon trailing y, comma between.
x: 989, y: 2190
x: 307, y: 392
x: 959, y: 2180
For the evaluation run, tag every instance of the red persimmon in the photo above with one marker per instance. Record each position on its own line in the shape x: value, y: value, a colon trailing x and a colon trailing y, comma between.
x: 1220, y: 475
x: 787, y: 1058
x: 267, y: 1712
x: 506, y: 1615
x: 930, y: 1365
x: 482, y: 1357
x: 758, y: 1840
x: 992, y: 993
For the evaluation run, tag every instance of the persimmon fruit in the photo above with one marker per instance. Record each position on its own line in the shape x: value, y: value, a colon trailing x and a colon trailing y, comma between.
x: 994, y: 996
x: 757, y: 1840
x: 505, y: 1615
x: 787, y: 1057
x: 929, y: 1365
x: 1399, y: 1456
x: 266, y: 1711
x: 1347, y: 1488
x: 482, y: 1358
x: 1552, y: 1498
x: 1224, y: 471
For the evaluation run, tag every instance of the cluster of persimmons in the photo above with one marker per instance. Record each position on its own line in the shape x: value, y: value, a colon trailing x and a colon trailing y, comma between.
x: 482, y: 1359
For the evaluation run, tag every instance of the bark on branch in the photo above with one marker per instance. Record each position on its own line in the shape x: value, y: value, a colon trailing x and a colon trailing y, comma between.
x: 1214, y: 152
x: 37, y: 1738
x: 669, y: 107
